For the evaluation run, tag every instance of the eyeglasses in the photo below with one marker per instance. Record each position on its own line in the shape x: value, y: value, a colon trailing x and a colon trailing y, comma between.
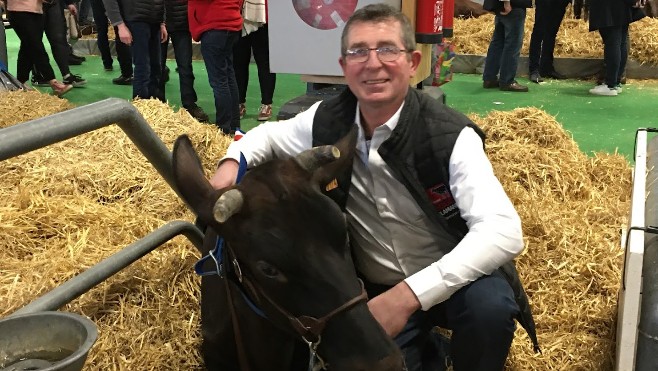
x: 384, y: 53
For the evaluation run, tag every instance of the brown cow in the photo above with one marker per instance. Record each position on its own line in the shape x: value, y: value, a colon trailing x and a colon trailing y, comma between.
x: 468, y: 9
x: 286, y: 250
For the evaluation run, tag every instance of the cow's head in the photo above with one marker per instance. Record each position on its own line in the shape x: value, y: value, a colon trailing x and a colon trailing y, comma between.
x: 291, y: 241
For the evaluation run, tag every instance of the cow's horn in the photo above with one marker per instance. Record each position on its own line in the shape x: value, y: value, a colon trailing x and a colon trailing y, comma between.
x: 229, y: 203
x: 310, y: 160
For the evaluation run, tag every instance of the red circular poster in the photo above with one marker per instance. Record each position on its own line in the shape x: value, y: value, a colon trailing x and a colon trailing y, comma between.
x: 324, y: 14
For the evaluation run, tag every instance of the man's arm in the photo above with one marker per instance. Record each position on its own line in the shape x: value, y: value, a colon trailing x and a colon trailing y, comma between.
x: 114, y: 15
x: 494, y: 237
x: 265, y: 142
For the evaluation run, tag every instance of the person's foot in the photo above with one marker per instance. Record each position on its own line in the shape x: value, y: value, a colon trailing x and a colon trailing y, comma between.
x: 59, y: 89
x: 108, y: 68
x: 554, y: 75
x: 603, y: 90
x: 535, y: 77
x: 514, y: 87
x: 265, y: 112
x: 198, y: 113
x: 165, y: 74
x: 243, y: 110
x: 123, y: 80
x: 491, y: 84
x: 618, y: 88
x: 75, y: 80
x: 37, y: 81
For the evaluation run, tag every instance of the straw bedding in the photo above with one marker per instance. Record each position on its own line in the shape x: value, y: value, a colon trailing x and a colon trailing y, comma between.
x: 472, y: 36
x: 73, y: 204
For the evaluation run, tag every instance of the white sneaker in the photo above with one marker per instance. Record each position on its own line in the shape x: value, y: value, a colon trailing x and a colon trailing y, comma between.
x: 618, y: 88
x: 603, y: 89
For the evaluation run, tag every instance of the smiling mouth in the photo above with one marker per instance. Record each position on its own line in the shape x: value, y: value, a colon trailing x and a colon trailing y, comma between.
x: 372, y: 82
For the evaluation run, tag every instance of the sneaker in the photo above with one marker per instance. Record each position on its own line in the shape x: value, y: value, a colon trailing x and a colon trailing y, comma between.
x: 198, y: 113
x: 554, y: 75
x: 618, y: 88
x: 535, y: 77
x: 603, y: 89
x: 39, y: 82
x: 108, y: 68
x: 75, y: 80
x: 123, y: 80
x: 265, y: 112
x: 243, y: 110
x: 60, y: 89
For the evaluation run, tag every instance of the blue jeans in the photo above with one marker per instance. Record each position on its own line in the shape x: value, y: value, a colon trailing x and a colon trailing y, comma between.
x: 182, y: 43
x: 481, y: 317
x: 615, y: 53
x: 505, y: 47
x: 217, y: 51
x: 146, y: 58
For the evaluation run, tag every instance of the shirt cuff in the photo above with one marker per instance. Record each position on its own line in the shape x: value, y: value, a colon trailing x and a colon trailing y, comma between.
x: 429, y: 287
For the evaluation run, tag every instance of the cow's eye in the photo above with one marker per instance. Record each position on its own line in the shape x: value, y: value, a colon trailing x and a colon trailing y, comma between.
x: 268, y: 270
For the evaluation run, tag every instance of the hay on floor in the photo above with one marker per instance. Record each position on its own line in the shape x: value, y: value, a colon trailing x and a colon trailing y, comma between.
x: 73, y: 204
x: 472, y: 36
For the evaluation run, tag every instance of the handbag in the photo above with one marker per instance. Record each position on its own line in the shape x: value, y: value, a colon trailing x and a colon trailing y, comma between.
x: 72, y: 25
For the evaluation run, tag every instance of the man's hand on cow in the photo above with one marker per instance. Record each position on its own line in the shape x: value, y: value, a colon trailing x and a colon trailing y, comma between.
x: 225, y: 174
x: 393, y: 308
x: 507, y: 8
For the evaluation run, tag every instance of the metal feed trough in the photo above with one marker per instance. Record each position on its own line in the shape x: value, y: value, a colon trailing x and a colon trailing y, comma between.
x: 37, y: 337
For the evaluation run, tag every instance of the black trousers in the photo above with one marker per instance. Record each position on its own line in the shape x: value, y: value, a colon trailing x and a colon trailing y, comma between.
x: 258, y: 42
x: 55, y: 28
x: 32, y: 52
x: 615, y: 53
x: 182, y: 44
x: 548, y: 17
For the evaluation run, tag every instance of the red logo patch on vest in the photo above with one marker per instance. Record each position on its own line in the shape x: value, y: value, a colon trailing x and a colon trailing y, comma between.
x: 442, y: 199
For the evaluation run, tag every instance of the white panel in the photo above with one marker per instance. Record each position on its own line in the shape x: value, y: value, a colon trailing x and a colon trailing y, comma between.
x: 296, y: 47
x: 630, y: 295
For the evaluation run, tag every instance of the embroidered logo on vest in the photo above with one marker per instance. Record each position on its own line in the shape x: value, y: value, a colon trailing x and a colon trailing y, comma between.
x: 332, y: 185
x: 442, y: 200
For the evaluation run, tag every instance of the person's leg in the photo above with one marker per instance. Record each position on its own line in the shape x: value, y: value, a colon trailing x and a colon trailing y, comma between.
x: 492, y: 61
x: 124, y: 56
x: 612, y: 39
x: 182, y: 42
x: 513, y: 40
x: 623, y: 51
x: 102, y: 26
x: 266, y: 79
x: 538, y: 31
x: 55, y: 28
x: 481, y: 317
x: 241, y: 61
x: 3, y: 46
x: 217, y: 51
x: 139, y: 48
x: 556, y: 15
x: 155, y: 89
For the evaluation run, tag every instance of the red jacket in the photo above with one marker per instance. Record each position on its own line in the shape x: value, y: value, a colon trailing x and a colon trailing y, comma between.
x: 205, y: 15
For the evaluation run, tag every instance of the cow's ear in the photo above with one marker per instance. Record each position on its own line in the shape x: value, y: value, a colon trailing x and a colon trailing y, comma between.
x: 191, y: 181
x: 347, y: 148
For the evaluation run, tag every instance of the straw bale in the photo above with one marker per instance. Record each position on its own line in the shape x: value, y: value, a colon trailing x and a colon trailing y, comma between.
x: 20, y: 106
x: 472, y: 36
x: 572, y: 208
x: 70, y: 205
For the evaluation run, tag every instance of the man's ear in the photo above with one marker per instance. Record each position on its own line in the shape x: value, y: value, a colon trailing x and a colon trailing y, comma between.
x: 415, y: 58
x: 341, y: 61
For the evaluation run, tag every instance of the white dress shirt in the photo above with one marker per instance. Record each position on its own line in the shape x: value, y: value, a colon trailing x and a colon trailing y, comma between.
x: 393, y: 239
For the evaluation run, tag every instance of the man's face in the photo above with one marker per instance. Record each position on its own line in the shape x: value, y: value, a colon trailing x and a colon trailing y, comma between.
x: 376, y: 83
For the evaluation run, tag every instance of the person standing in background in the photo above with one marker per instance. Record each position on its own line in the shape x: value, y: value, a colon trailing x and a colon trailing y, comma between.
x: 26, y: 17
x: 141, y: 25
x: 3, y: 38
x: 548, y: 17
x: 255, y: 37
x: 505, y: 47
x: 123, y: 51
x: 218, y: 24
x: 178, y: 30
x: 612, y: 18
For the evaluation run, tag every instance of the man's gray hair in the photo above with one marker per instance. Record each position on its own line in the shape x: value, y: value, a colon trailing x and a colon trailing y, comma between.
x: 376, y: 13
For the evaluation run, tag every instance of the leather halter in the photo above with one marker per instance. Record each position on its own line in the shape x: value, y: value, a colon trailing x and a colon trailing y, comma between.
x: 307, y: 327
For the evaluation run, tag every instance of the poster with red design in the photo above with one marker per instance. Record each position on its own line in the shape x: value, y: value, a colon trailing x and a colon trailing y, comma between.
x: 305, y: 34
